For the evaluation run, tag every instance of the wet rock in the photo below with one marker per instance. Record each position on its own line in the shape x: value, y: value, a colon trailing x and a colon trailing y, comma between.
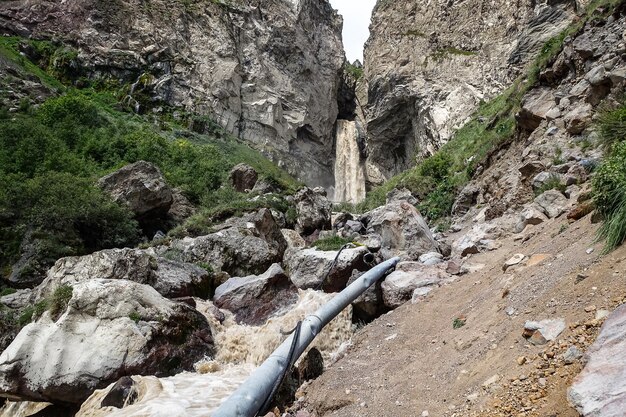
x: 553, y: 203
x: 398, y: 287
x: 243, y: 177
x: 309, y: 267
x: 141, y: 187
x: 600, y: 389
x: 254, y: 299
x: 243, y: 246
x: 121, y: 394
x: 402, y: 229
x: 109, y: 328
x: 313, y: 211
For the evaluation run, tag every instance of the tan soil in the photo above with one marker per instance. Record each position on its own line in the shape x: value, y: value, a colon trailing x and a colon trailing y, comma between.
x: 412, y: 360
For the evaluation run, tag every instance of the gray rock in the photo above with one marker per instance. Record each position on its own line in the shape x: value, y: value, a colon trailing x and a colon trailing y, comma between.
x: 244, y: 246
x: 465, y: 200
x: 541, y: 332
x: 181, y: 208
x: 476, y: 240
x: 578, y: 119
x: 531, y: 168
x: 171, y: 279
x: 535, y: 106
x: 401, y: 194
x: 597, y: 76
x: 254, y: 299
x: 431, y: 258
x: 313, y: 211
x: 553, y: 203
x: 308, y: 267
x: 532, y: 214
x: 293, y: 239
x: 243, y: 177
x: 141, y: 187
x: 398, y: 287
x: 600, y: 389
x: 541, y: 179
x: 403, y: 231
x: 571, y: 355
x: 109, y: 328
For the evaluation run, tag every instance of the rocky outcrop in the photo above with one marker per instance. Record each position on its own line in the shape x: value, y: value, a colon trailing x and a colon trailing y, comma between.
x: 171, y: 279
x: 428, y: 66
x: 600, y: 389
x: 267, y: 71
x: 241, y: 246
x: 109, y: 328
x: 254, y: 299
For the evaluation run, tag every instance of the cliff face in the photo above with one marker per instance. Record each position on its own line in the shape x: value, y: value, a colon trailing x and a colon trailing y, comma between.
x: 267, y: 71
x: 428, y: 64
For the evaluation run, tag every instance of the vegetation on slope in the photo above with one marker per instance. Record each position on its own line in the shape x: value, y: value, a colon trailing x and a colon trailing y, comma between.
x: 437, y: 180
x: 51, y: 156
x: 609, y: 182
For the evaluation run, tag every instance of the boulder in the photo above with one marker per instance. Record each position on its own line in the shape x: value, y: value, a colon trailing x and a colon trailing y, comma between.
x: 241, y: 246
x: 553, y: 203
x: 254, y: 299
x: 308, y: 267
x: 578, y: 119
x: 109, y: 328
x: 541, y: 332
x: 535, y: 105
x: 402, y: 229
x: 181, y: 208
x: 141, y: 187
x: 531, y: 168
x: 479, y: 239
x: 600, y: 389
x: 170, y: 278
x: 313, y: 211
x: 243, y: 177
x: 431, y: 258
x: 401, y: 194
x: 532, y: 214
x: 293, y: 238
x: 398, y: 287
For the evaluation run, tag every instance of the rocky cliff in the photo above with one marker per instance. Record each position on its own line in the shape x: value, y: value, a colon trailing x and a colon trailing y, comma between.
x: 267, y: 71
x: 428, y: 65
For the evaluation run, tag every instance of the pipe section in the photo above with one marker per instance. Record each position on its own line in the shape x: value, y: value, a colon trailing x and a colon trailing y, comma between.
x: 250, y: 396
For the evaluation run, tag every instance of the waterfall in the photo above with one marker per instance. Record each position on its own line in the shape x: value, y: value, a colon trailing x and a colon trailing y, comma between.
x: 349, y: 170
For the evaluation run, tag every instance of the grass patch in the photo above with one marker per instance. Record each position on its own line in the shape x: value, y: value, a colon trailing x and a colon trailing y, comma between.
x: 553, y: 183
x: 60, y: 299
x: 458, y: 322
x: 134, y: 316
x: 330, y: 243
x: 7, y: 291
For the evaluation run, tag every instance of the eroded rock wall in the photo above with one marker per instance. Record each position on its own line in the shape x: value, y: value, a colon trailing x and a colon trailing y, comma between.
x: 267, y: 71
x: 429, y: 64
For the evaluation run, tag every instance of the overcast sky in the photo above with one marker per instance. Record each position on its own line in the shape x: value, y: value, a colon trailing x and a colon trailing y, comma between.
x: 356, y: 20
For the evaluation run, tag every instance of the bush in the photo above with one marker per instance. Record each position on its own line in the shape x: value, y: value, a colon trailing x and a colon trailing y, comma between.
x: 609, y: 188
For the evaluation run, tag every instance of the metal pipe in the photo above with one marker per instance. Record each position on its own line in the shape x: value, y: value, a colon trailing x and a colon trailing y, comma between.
x: 250, y: 396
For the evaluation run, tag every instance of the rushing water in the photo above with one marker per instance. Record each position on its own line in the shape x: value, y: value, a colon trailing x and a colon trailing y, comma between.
x: 240, y: 349
x: 349, y: 169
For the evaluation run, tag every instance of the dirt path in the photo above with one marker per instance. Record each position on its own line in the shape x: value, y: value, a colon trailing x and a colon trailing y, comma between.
x: 411, y: 362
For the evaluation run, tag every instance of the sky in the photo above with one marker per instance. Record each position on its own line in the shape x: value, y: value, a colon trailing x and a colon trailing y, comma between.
x: 356, y: 20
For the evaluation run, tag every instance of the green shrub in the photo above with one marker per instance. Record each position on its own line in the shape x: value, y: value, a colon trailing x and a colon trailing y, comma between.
x: 609, y: 188
x: 330, y: 243
x: 60, y: 300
